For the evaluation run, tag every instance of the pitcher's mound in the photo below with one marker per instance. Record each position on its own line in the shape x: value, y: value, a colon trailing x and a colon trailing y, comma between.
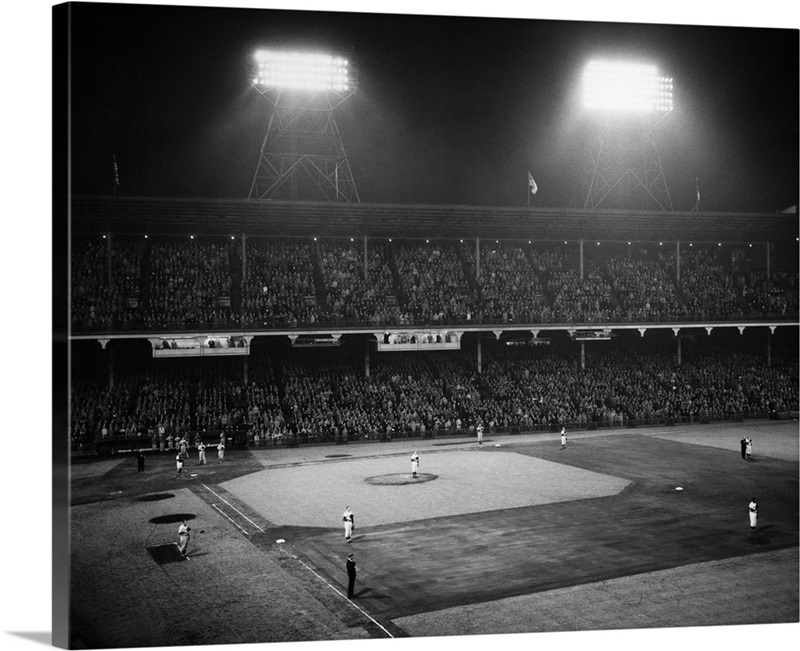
x: 399, y: 479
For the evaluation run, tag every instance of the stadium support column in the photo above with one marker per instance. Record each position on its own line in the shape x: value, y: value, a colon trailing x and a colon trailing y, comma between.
x: 581, y: 257
x: 477, y: 258
x: 768, y: 261
x: 678, y: 262
x: 104, y: 346
x: 110, y: 279
x: 769, y: 346
x: 480, y: 356
x: 244, y: 257
x: 366, y: 261
x: 111, y: 357
x: 366, y: 357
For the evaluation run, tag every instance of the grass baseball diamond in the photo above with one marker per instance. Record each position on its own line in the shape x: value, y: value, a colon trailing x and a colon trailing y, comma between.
x: 596, y: 539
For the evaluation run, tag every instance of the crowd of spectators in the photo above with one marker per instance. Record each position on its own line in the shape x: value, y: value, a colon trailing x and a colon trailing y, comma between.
x: 708, y: 289
x: 314, y: 395
x: 433, y: 285
x: 105, y: 283
x: 644, y: 288
x: 279, y: 289
x: 212, y: 283
x: 265, y: 419
x: 510, y: 289
x: 190, y: 284
x: 353, y: 296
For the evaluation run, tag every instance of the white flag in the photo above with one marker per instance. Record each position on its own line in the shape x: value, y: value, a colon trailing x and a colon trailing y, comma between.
x: 532, y: 183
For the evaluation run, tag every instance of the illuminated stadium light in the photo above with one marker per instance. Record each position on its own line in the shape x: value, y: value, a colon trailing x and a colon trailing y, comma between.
x: 302, y: 155
x: 623, y: 87
x: 306, y: 71
x: 626, y: 103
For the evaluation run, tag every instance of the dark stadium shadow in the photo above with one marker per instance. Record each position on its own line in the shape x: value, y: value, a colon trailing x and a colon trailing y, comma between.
x: 765, y: 528
x: 172, y: 518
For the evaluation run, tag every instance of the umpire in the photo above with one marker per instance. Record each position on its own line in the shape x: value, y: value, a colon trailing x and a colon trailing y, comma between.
x: 351, y: 575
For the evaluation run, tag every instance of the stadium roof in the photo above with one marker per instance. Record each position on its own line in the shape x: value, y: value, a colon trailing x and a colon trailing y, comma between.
x: 321, y: 219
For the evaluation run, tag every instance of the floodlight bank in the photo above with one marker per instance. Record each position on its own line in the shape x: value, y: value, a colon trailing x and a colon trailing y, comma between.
x: 301, y: 70
x: 626, y: 87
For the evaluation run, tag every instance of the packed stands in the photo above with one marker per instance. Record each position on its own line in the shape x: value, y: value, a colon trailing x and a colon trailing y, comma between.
x: 211, y: 283
x: 281, y: 395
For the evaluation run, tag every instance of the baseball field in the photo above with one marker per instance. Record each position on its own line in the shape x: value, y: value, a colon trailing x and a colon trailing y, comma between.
x: 623, y: 529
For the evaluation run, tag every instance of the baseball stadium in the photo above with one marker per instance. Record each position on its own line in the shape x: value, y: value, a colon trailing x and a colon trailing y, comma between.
x: 600, y: 399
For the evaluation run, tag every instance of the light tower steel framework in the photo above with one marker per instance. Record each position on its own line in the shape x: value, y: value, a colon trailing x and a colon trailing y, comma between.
x: 302, y: 156
x: 622, y: 167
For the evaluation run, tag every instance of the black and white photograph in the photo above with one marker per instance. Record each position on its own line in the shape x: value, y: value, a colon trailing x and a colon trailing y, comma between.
x: 411, y: 324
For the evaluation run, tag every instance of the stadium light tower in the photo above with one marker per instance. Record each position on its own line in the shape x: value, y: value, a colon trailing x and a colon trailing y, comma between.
x: 302, y: 155
x: 623, y: 168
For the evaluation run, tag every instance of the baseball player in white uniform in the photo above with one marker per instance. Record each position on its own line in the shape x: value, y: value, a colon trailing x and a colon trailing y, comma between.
x: 349, y: 523
x: 480, y: 433
x: 201, y: 451
x: 563, y: 437
x: 221, y: 451
x: 183, y: 538
x: 414, y: 463
x: 753, y: 514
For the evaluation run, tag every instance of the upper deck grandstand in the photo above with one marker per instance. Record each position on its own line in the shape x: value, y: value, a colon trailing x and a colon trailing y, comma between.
x: 164, y: 265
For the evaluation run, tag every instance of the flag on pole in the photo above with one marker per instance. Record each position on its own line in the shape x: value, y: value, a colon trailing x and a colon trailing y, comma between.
x: 116, y: 171
x: 532, y: 183
x: 697, y: 187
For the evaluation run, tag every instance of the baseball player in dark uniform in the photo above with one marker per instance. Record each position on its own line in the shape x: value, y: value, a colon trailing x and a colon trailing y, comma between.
x: 351, y: 575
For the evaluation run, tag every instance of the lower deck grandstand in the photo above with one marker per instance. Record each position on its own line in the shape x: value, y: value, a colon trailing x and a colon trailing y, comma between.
x: 123, y: 398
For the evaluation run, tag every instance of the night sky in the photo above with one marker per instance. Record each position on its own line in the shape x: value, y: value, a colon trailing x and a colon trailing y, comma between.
x: 449, y: 110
